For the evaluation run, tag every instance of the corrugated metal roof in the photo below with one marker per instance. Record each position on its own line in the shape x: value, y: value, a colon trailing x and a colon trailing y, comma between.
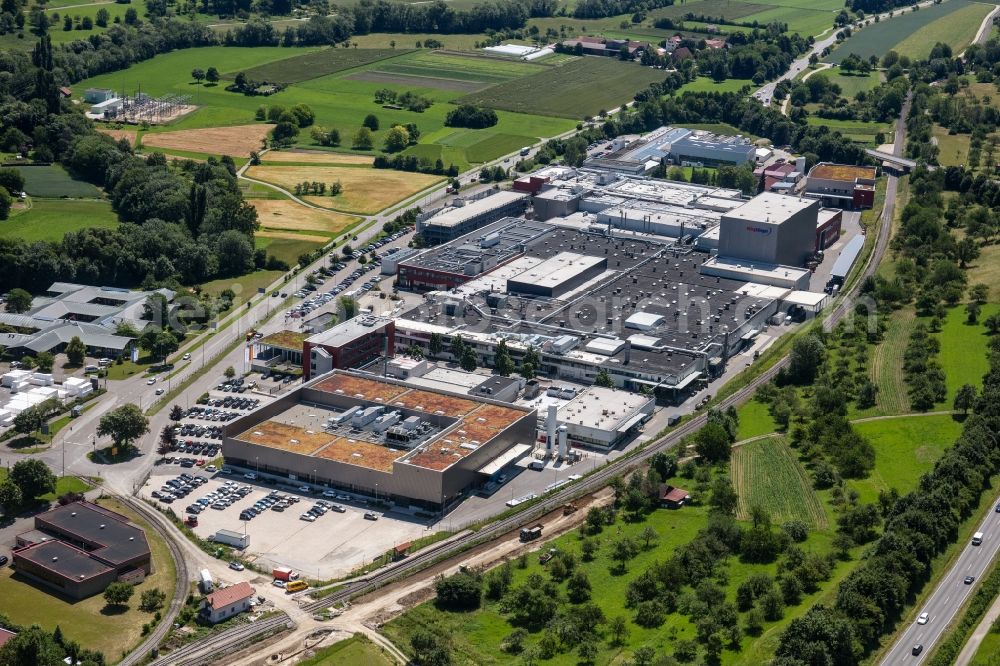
x: 847, y: 257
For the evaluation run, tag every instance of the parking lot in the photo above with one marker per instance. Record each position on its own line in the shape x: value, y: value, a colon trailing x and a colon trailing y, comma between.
x: 318, y: 292
x: 329, y: 544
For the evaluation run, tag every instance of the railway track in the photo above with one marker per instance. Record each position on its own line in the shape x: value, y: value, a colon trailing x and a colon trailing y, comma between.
x: 203, y: 651
x: 180, y: 587
x: 209, y: 648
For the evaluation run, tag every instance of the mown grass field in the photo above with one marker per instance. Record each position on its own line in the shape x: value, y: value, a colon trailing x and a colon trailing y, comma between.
x: 569, y: 90
x: 986, y: 269
x: 957, y: 29
x: 766, y: 473
x: 54, y: 181
x: 755, y: 420
x: 988, y: 653
x: 338, y: 101
x: 953, y: 149
x: 851, y: 85
x: 804, y: 20
x: 963, y: 350
x: 905, y: 448
x: 855, y: 130
x: 51, y: 219
x: 706, y: 84
x: 251, y: 282
x: 64, y: 484
x: 88, y: 621
x: 884, y: 36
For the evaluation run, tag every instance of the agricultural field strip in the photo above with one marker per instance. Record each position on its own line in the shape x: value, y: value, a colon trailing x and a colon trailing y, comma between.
x: 956, y: 29
x: 887, y: 367
x: 767, y: 473
x: 308, y: 66
x: 568, y: 91
x: 880, y: 37
x: 458, y: 68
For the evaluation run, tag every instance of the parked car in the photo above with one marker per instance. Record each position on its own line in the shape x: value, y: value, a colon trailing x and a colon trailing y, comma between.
x: 236, y: 566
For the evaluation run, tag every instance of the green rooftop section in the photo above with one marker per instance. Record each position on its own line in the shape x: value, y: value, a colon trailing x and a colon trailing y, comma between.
x: 284, y: 340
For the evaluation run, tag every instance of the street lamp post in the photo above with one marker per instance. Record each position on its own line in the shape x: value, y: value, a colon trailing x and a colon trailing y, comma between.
x: 257, y: 461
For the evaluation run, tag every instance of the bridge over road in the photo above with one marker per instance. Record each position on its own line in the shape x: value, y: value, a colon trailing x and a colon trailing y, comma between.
x: 902, y: 163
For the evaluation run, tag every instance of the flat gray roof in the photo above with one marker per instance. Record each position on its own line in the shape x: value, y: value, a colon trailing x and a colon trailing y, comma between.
x: 771, y: 208
x: 64, y: 560
x: 348, y: 330
x: 120, y: 540
x: 454, y: 216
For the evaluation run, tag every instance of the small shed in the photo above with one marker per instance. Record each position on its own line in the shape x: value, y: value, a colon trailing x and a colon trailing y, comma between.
x: 673, y: 498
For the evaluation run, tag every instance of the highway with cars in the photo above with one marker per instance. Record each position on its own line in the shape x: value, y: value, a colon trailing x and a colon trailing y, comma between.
x: 947, y: 599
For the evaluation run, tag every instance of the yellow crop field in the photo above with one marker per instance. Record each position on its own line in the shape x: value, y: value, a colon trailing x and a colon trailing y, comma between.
x: 291, y: 235
x: 117, y: 134
x: 314, y: 157
x: 366, y: 191
x: 238, y: 141
x: 285, y: 215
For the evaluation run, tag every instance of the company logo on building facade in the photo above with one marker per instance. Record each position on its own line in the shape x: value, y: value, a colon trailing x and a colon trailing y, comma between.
x: 759, y: 230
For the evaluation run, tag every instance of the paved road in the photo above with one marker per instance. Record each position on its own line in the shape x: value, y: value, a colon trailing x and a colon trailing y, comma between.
x: 947, y: 598
x: 986, y: 28
x: 766, y: 92
x: 979, y: 633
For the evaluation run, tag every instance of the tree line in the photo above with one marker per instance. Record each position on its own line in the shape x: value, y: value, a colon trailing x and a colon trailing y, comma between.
x: 182, y: 223
x: 919, y: 527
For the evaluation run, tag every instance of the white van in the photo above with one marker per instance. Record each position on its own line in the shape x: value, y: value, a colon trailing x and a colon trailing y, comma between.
x: 977, y: 539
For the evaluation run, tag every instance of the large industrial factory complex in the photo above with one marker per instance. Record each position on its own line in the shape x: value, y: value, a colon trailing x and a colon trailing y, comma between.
x: 656, y: 284
x: 626, y: 292
x: 381, y: 437
x: 603, y: 277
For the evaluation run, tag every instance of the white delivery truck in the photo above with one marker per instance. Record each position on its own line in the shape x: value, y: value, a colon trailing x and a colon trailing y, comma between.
x: 205, y: 581
x: 977, y: 539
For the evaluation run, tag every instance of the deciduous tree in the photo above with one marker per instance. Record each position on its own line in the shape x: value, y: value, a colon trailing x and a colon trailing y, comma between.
x: 76, y: 351
x: 33, y: 477
x: 124, y: 425
x: 118, y: 594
